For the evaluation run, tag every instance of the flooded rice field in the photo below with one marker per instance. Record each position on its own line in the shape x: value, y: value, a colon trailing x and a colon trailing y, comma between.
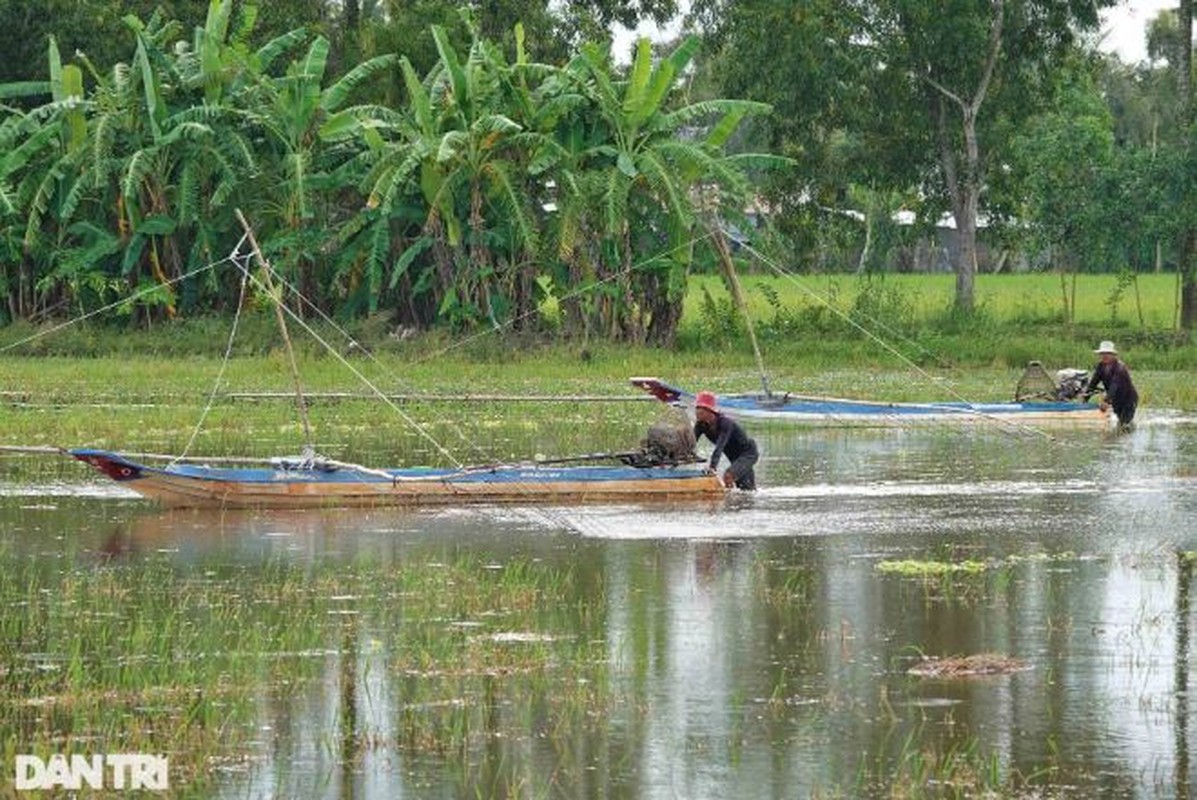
x: 929, y: 612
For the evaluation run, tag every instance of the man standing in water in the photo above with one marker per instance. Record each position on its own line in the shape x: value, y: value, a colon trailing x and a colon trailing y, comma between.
x: 1113, y: 375
x: 729, y: 439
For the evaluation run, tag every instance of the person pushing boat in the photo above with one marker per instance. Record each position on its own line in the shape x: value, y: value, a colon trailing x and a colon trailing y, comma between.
x: 1113, y: 375
x: 729, y: 439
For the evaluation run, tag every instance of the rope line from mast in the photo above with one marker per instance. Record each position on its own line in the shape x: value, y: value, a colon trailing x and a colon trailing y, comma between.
x: 539, y: 514
x: 357, y: 373
x: 1012, y: 426
x: 391, y: 375
x: 114, y: 304
x: 224, y: 362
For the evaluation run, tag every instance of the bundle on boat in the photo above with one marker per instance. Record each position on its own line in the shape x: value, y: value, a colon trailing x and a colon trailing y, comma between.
x: 666, y: 444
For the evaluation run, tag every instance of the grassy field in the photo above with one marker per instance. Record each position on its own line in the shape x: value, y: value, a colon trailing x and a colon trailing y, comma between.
x: 886, y: 312
x: 890, y: 338
x: 1035, y: 298
x: 897, y: 319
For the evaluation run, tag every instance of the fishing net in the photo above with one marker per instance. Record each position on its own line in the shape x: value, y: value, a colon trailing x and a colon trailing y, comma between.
x: 670, y: 441
x: 1071, y: 383
x: 667, y: 442
x: 1035, y: 384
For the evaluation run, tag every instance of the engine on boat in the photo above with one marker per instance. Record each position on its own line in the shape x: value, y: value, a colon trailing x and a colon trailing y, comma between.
x: 1070, y: 383
x: 1037, y: 384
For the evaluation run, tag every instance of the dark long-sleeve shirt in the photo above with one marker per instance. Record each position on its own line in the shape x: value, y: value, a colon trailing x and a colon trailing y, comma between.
x: 1116, y: 379
x: 728, y: 437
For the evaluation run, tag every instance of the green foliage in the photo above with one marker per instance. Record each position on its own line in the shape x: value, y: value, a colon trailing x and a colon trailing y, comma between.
x: 124, y: 189
x: 1064, y: 163
x: 456, y: 169
x: 721, y: 321
x: 880, y: 302
x: 899, y: 96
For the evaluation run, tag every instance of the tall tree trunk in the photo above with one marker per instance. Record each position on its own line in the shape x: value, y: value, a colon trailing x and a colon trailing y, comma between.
x: 632, y: 329
x: 479, y: 271
x: 442, y: 257
x: 966, y: 189
x: 862, y: 264
x: 966, y: 221
x: 353, y: 24
x: 1188, y: 245
x: 964, y: 208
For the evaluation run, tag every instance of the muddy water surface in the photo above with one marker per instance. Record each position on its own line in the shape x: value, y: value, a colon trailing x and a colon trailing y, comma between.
x: 756, y: 648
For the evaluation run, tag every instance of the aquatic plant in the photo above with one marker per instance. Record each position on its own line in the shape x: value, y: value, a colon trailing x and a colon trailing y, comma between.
x: 150, y: 656
x: 968, y: 666
x: 924, y: 569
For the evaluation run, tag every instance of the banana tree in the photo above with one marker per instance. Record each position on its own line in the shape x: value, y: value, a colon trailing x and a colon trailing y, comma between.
x: 641, y: 158
x: 170, y: 152
x: 29, y: 148
x: 146, y: 177
x: 459, y: 152
x: 309, y: 126
x: 43, y: 153
x: 477, y: 161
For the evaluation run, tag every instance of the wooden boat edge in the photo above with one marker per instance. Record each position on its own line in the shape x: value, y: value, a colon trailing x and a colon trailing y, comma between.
x: 174, y: 490
x: 873, y: 413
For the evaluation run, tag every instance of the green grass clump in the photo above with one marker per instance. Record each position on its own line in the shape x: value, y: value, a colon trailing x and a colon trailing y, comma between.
x: 922, y: 569
x: 818, y: 321
x: 158, y: 657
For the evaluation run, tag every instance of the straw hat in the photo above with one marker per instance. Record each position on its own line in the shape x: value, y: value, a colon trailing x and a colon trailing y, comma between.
x: 1106, y: 347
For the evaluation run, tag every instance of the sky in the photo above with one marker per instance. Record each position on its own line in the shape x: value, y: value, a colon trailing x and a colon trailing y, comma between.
x: 1124, y: 27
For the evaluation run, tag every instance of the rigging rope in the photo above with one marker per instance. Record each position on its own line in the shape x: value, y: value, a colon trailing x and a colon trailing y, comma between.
x: 391, y: 375
x: 539, y: 514
x: 224, y: 363
x: 357, y: 373
x: 1010, y: 424
x: 135, y: 296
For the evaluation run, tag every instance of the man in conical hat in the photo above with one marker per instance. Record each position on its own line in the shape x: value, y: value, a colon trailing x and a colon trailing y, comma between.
x: 1113, y: 375
x: 729, y: 439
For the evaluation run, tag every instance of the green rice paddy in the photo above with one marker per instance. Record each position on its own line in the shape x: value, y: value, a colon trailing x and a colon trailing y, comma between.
x: 506, y: 666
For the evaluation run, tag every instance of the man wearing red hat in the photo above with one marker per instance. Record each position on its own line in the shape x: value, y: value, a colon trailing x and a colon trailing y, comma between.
x: 729, y: 439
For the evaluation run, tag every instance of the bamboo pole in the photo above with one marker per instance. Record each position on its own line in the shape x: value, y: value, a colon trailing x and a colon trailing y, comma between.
x: 452, y: 398
x: 733, y: 282
x: 300, y: 403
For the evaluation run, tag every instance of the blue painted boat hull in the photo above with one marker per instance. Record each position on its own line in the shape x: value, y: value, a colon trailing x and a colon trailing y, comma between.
x: 808, y: 410
x: 192, y: 485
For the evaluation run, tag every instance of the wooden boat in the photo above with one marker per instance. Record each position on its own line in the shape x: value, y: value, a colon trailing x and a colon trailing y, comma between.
x: 307, y: 483
x: 814, y: 410
x: 312, y: 481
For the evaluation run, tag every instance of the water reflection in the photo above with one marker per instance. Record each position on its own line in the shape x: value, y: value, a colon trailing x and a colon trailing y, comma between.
x: 751, y: 649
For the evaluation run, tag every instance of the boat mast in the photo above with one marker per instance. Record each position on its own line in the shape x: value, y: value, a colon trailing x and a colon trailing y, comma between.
x: 277, y: 299
x: 733, y: 282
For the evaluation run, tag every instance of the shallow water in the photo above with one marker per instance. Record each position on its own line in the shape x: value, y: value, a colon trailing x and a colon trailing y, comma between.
x: 748, y: 649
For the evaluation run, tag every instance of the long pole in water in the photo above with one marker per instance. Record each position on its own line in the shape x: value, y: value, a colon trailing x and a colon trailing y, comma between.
x: 733, y: 282
x: 277, y: 299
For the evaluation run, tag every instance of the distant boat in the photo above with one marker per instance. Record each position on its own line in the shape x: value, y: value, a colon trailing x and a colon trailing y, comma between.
x: 815, y: 410
x: 304, y: 483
